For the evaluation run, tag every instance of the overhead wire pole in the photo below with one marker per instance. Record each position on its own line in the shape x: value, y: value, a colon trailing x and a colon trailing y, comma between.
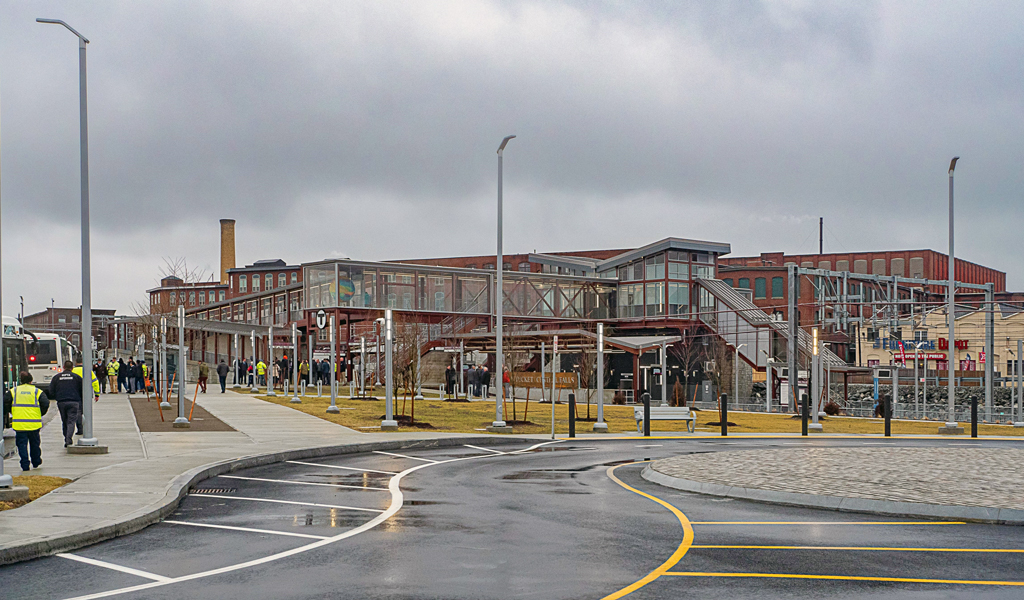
x: 990, y: 325
x: 88, y: 435
x: 6, y: 481
x: 951, y: 424
x: 599, y: 425
x: 791, y: 353
x: 499, y: 294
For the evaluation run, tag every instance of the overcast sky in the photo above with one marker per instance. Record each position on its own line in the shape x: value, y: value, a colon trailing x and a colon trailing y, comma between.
x: 369, y: 130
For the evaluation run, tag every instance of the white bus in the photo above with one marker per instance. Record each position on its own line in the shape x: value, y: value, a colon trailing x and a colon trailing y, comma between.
x: 14, y: 351
x: 46, y: 356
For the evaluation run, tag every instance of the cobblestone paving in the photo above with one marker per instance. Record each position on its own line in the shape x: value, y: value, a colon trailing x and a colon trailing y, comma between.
x: 988, y: 477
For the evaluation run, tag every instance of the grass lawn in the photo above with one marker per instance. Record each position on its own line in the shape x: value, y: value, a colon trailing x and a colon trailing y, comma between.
x: 37, y: 486
x: 473, y: 417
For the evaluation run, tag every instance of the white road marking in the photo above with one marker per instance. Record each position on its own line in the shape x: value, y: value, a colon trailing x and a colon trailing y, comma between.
x: 484, y: 449
x: 113, y: 567
x: 397, y: 498
x: 250, y: 530
x: 535, y: 446
x: 308, y: 464
x: 336, y: 485
x: 650, y: 446
x: 433, y: 462
x: 286, y: 502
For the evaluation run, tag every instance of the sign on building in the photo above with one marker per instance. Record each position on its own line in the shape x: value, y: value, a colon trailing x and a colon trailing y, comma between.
x: 563, y: 381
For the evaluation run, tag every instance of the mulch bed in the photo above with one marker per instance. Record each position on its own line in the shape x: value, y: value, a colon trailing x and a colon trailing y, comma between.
x: 147, y: 414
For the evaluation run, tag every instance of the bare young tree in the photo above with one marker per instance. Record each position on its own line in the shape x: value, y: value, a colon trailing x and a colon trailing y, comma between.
x: 516, y: 357
x: 691, y: 354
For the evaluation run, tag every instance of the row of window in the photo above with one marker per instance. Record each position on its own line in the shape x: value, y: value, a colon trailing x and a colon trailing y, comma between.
x: 175, y: 296
x: 652, y: 268
x: 760, y: 286
x: 282, y: 280
x: 64, y: 319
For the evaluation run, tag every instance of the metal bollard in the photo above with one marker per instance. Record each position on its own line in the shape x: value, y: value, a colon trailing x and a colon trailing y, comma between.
x: 725, y: 414
x: 803, y: 414
x: 572, y: 415
x: 887, y: 413
x: 646, y: 398
x: 974, y: 416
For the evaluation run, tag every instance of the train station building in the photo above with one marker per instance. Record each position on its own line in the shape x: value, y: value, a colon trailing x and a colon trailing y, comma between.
x: 721, y: 313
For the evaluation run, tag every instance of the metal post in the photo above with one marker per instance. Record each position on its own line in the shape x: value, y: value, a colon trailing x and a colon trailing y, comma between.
x: 1019, y: 422
x: 181, y: 421
x: 389, y: 421
x: 419, y: 375
x: 6, y: 481
x: 803, y: 414
x: 499, y: 303
x: 990, y: 326
x: 951, y: 308
x: 735, y: 372
x: 270, y: 360
x: 362, y: 365
x: 462, y: 370
x: 791, y: 354
x: 924, y: 388
x: 887, y: 413
x: 238, y: 360
x: 599, y: 425
x: 252, y: 342
x: 768, y: 386
x: 974, y: 416
x: 295, y: 365
x: 554, y: 361
x: 664, y: 374
x: 724, y: 401
x: 895, y: 384
x: 917, y: 400
x: 572, y: 416
x: 333, y: 408
x: 165, y: 381
x: 646, y: 398
x: 815, y: 382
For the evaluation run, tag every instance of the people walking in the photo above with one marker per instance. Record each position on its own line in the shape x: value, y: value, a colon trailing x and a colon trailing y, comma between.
x: 261, y: 373
x: 66, y: 390
x: 449, y: 382
x: 100, y: 367
x: 486, y: 381
x: 222, y: 374
x: 472, y: 379
x: 204, y: 375
x: 26, y: 404
x: 304, y: 373
x: 122, y: 375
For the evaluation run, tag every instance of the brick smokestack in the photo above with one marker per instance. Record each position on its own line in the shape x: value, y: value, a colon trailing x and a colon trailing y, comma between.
x: 227, y: 248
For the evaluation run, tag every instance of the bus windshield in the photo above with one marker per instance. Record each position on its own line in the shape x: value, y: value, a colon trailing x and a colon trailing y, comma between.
x: 14, y: 361
x: 45, y: 352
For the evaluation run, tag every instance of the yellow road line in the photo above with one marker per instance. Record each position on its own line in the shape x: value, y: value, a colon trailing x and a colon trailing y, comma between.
x: 846, y: 578
x: 828, y: 522
x: 863, y: 548
x: 795, y: 436
x: 672, y: 560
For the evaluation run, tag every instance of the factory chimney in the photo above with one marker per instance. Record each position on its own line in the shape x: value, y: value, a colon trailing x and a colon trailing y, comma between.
x: 227, y: 248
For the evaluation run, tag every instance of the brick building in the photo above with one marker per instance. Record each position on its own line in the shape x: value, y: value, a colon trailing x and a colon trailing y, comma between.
x: 67, y: 323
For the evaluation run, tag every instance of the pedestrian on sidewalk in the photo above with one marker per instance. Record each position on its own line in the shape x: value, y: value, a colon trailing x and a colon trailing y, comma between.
x: 100, y: 368
x: 485, y: 378
x: 261, y: 372
x: 95, y: 394
x: 304, y: 372
x: 66, y: 390
x: 449, y: 382
x: 472, y: 379
x: 112, y: 376
x: 204, y: 375
x: 222, y: 374
x: 130, y: 376
x: 26, y: 404
x: 122, y: 375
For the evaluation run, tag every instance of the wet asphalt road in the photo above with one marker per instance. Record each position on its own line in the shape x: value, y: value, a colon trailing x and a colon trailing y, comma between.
x: 546, y: 523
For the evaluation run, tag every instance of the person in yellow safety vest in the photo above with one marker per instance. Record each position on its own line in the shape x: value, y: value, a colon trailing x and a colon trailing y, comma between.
x: 112, y: 376
x: 261, y: 372
x: 145, y: 376
x: 26, y: 404
x: 95, y: 382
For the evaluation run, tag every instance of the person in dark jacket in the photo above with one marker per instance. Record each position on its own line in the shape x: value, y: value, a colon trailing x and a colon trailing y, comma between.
x: 449, y: 382
x: 122, y: 375
x: 66, y: 390
x: 472, y: 380
x: 485, y: 380
x: 222, y: 374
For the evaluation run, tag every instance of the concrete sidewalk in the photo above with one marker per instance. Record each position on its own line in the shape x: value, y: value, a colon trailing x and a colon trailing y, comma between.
x: 144, y: 475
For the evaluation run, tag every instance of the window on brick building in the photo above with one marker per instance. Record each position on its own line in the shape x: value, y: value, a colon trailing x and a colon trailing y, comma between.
x: 295, y: 277
x: 270, y: 281
x: 242, y: 285
x: 744, y: 283
x: 778, y: 288
x: 759, y: 288
x: 282, y: 279
x: 255, y: 283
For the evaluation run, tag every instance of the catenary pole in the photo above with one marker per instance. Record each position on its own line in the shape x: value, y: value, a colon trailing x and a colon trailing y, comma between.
x: 333, y: 408
x: 389, y: 421
x: 295, y: 365
x: 951, y: 310
x: 499, y: 293
x: 1019, y: 422
x: 793, y: 381
x: 6, y: 481
x: 181, y: 421
x: 599, y: 425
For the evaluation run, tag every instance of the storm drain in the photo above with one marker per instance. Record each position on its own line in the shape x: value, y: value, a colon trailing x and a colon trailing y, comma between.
x: 214, y: 490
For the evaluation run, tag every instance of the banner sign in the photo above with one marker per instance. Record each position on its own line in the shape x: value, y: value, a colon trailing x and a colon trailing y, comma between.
x: 923, y: 356
x: 563, y: 381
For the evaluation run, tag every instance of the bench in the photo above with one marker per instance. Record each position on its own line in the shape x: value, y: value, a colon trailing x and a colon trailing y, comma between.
x: 666, y: 413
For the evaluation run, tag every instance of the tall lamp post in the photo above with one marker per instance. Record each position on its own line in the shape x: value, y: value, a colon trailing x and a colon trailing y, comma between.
x: 951, y: 425
x: 736, y: 374
x: 88, y: 438
x: 499, y: 292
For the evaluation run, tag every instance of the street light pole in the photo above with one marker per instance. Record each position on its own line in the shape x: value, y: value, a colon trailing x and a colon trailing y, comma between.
x: 736, y: 374
x: 951, y: 419
x: 181, y: 422
x: 88, y: 438
x: 599, y: 426
x: 499, y: 292
x: 389, y: 423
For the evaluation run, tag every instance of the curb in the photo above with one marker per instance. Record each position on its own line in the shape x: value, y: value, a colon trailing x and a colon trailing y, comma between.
x: 179, y: 486
x: 917, y: 510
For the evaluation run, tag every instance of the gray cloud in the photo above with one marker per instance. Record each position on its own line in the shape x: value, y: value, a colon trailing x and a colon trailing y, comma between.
x: 370, y: 128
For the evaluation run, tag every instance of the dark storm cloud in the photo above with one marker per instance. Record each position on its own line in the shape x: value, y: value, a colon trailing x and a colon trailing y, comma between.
x: 734, y: 121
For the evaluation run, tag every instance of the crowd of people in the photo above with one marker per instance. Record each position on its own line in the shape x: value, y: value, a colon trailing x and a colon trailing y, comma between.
x: 117, y: 376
